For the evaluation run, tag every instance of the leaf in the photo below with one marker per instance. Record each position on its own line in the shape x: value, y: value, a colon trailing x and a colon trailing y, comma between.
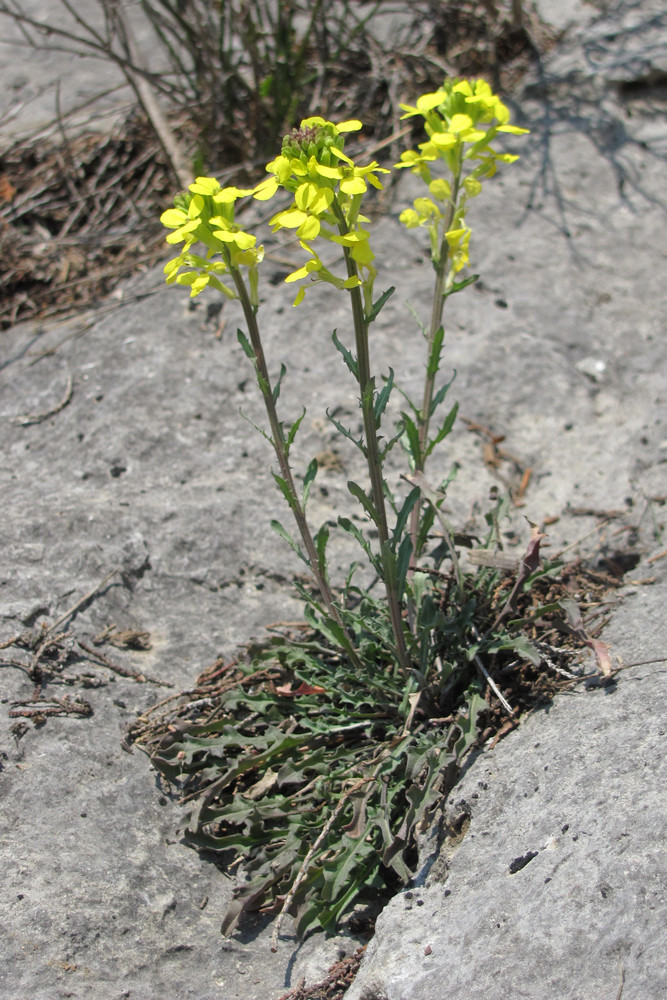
x: 363, y: 499
x: 259, y: 429
x: 245, y: 344
x: 412, y: 435
x: 436, y: 350
x: 358, y: 442
x: 285, y: 535
x: 468, y: 724
x: 287, y: 691
x: 321, y: 540
x: 347, y: 355
x: 383, y: 398
x: 276, y: 388
x: 284, y: 488
x: 519, y: 644
x: 602, y: 656
x: 265, y: 784
x: 378, y: 305
x: 291, y: 434
x: 403, y: 564
x: 309, y: 479
x: 353, y: 530
x: 440, y: 395
x: 404, y: 514
x: 445, y: 429
x: 458, y: 286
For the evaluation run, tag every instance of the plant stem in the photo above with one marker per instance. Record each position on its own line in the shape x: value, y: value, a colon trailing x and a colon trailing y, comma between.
x: 280, y: 448
x: 367, y: 390
x: 437, y: 313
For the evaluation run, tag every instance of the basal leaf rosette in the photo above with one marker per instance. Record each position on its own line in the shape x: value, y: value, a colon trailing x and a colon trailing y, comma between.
x: 204, y: 214
x: 327, y: 188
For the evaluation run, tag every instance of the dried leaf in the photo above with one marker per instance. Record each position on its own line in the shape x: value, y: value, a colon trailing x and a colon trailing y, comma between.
x: 287, y: 691
x: 265, y: 784
x: 7, y: 189
x: 603, y: 657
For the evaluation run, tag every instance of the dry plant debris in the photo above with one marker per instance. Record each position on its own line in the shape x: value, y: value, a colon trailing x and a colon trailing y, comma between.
x: 45, y: 653
x: 79, y: 212
x: 76, y: 216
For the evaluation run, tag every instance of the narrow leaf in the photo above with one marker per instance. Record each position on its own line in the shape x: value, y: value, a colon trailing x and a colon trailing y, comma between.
x: 404, y: 513
x: 436, y: 350
x: 285, y: 535
x: 291, y: 434
x: 445, y: 429
x: 378, y: 304
x: 347, y: 355
x: 457, y: 286
x: 402, y: 565
x: 285, y: 490
x: 412, y: 435
x: 351, y: 528
x: 383, y: 397
x: 440, y: 395
x: 363, y: 499
x: 309, y: 479
x: 358, y: 442
x: 245, y: 344
x: 276, y: 388
x: 321, y: 540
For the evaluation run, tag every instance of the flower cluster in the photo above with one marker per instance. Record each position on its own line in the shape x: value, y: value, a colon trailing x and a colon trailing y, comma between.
x: 461, y: 120
x: 205, y: 214
x: 328, y: 189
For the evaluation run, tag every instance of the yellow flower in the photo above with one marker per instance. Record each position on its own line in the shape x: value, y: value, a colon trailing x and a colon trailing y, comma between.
x: 205, y: 214
x: 458, y: 240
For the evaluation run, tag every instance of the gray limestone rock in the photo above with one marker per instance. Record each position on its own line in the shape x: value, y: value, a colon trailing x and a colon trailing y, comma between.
x: 152, y: 470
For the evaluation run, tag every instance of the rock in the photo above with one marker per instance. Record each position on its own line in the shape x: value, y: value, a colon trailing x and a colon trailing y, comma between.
x: 151, y: 468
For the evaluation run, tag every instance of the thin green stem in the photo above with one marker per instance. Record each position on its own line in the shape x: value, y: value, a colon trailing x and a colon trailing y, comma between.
x: 437, y: 313
x: 280, y: 448
x: 367, y: 391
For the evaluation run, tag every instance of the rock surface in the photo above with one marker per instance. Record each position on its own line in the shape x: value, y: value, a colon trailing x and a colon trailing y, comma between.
x: 151, y: 469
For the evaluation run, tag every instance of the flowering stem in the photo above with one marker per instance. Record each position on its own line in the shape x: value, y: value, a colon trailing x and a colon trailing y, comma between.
x: 280, y: 448
x: 431, y: 369
x: 367, y: 390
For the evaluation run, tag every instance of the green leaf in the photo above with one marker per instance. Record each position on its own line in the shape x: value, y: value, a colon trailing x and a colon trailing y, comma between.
x: 276, y: 388
x: 285, y: 490
x: 389, y: 566
x: 285, y: 535
x: 363, y: 499
x: 259, y: 429
x: 412, y: 435
x: 440, y: 395
x: 425, y: 525
x: 405, y: 512
x: 378, y: 304
x: 436, y: 350
x: 391, y: 442
x: 309, y: 479
x: 413, y: 312
x: 403, y: 564
x: 383, y: 397
x: 245, y: 344
x: 357, y: 442
x: 458, y: 286
x: 291, y: 434
x: 445, y: 429
x: 353, y: 530
x: 347, y: 355
x: 321, y: 539
x: 468, y: 724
